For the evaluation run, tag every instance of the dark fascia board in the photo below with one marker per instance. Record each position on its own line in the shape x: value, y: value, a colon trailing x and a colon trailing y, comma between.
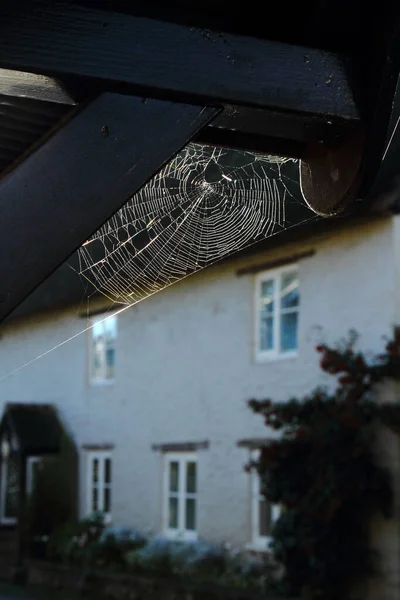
x: 98, y: 447
x: 173, y: 61
x: 64, y: 289
x: 277, y: 262
x: 95, y: 312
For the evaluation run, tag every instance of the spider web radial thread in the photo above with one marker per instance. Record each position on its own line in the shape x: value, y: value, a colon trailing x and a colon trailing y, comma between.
x: 205, y: 204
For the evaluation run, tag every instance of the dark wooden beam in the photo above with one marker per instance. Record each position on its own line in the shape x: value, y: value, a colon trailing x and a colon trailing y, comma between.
x: 52, y: 202
x: 225, y: 138
x: 166, y: 60
x: 303, y: 128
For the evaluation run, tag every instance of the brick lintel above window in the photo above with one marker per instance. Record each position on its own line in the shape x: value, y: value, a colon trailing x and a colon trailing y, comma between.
x: 181, y: 446
x: 99, y: 447
x: 254, y: 443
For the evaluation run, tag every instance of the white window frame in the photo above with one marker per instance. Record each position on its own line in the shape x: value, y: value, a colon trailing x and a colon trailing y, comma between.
x: 93, y: 378
x: 181, y: 533
x: 101, y: 456
x: 275, y: 352
x: 31, y: 460
x: 259, y: 542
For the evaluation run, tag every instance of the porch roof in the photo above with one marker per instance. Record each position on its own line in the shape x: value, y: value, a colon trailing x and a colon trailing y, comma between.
x: 36, y: 428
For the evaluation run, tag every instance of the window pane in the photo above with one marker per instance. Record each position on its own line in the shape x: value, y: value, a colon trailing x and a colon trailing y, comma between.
x: 97, y: 353
x: 107, y: 470
x: 97, y: 330
x: 190, y: 514
x: 111, y: 334
x: 110, y: 326
x: 266, y: 333
x: 267, y: 295
x: 95, y: 499
x: 173, y: 513
x: 191, y: 477
x: 104, y: 334
x: 290, y: 290
x: 107, y: 500
x: 110, y: 362
x: 95, y: 470
x: 33, y: 477
x: 264, y: 516
x: 289, y: 331
x: 173, y: 476
x: 98, y: 358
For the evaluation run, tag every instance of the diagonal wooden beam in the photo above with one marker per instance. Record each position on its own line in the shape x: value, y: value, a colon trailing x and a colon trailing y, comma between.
x: 52, y: 202
x: 163, y: 59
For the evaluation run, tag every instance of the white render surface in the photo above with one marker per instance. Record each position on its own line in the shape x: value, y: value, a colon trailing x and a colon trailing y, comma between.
x: 185, y: 367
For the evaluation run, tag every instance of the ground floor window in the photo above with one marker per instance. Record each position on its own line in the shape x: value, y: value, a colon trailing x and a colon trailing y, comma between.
x: 263, y: 513
x: 180, y: 502
x: 99, y: 481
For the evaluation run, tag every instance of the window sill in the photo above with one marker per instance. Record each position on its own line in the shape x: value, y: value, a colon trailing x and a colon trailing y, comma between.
x: 270, y: 358
x: 107, y: 518
x: 260, y: 545
x: 178, y: 536
x: 101, y: 382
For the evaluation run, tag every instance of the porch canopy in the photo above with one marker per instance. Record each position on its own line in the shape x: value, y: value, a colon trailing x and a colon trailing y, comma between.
x: 96, y: 96
x: 31, y: 430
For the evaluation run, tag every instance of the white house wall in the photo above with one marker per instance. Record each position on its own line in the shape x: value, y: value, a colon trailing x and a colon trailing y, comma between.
x: 185, y: 368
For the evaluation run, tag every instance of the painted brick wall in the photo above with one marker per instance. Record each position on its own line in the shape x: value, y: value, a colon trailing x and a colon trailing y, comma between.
x: 185, y: 368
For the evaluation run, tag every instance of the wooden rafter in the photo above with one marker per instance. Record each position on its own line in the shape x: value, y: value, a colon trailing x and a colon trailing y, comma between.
x: 68, y: 188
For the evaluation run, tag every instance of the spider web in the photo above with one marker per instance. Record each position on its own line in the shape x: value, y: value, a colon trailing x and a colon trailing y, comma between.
x: 204, y: 205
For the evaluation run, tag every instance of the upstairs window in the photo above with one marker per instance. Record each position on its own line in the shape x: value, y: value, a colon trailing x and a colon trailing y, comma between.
x: 103, y: 349
x: 277, y: 313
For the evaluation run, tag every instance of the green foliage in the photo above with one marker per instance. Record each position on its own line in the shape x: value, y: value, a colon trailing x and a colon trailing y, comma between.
x: 53, y: 501
x: 323, y: 473
x: 115, y: 547
x: 95, y: 548
x: 75, y: 542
